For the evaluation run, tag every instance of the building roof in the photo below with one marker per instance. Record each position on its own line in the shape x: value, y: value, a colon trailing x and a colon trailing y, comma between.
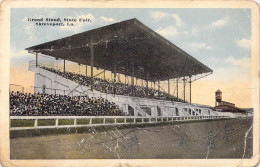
x: 218, y: 91
x: 131, y: 46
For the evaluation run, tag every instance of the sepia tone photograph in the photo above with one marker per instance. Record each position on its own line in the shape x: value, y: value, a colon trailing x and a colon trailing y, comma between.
x: 131, y: 83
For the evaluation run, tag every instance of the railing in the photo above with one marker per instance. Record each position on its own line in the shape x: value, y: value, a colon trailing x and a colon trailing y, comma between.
x: 89, y: 121
x: 32, y: 63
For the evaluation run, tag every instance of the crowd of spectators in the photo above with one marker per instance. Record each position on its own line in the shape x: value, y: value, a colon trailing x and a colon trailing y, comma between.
x: 111, y: 87
x: 28, y: 104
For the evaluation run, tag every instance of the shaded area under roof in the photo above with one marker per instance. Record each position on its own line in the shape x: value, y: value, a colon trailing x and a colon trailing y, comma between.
x: 134, y: 48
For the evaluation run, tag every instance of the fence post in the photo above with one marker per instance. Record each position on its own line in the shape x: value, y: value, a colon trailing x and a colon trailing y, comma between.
x: 115, y: 120
x: 56, y: 122
x: 90, y: 121
x: 35, y: 123
x: 125, y: 120
x: 75, y: 121
x: 104, y: 121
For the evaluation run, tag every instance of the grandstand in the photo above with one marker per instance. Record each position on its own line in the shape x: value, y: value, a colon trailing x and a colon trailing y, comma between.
x: 127, y: 48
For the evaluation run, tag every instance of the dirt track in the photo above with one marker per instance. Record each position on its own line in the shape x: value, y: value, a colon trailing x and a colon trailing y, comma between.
x: 216, y: 139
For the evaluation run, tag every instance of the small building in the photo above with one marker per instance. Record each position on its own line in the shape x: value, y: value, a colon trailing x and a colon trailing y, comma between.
x: 224, y: 106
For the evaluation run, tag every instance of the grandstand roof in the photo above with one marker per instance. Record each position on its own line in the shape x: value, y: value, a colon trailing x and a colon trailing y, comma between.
x: 127, y: 44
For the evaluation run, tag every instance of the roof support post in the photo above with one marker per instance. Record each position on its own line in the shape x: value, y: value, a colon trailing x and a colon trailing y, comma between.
x: 118, y: 77
x: 36, y: 59
x: 64, y: 66
x: 114, y: 80
x: 104, y: 74
x: 132, y: 77
x: 92, y: 64
x: 115, y: 73
x: 184, y: 89
x: 86, y: 70
x: 177, y: 88
x: 159, y: 88
x: 169, y: 86
x: 190, y: 89
x: 147, y: 84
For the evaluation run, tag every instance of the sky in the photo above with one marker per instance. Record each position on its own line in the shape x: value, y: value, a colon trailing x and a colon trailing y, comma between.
x: 219, y: 38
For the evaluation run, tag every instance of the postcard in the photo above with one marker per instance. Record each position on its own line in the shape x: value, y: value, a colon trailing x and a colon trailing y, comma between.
x: 118, y: 83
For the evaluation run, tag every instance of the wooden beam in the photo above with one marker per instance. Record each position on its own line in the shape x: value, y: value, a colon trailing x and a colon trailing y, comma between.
x: 36, y: 59
x: 169, y: 90
x: 190, y: 89
x: 92, y: 63
x: 64, y: 66
x: 184, y: 89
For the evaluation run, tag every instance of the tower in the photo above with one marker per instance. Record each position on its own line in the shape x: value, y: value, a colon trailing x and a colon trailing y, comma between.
x: 218, y: 94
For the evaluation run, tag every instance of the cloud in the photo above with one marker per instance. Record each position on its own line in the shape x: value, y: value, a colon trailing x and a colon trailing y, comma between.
x: 30, y: 32
x: 196, y: 46
x: 244, y: 62
x: 18, y: 54
x: 177, y: 19
x: 88, y: 16
x: 52, y: 13
x: 159, y: 15
x: 230, y: 73
x: 171, y: 31
x: 219, y: 23
x: 108, y: 19
x: 244, y: 43
x: 194, y: 31
x: 163, y: 15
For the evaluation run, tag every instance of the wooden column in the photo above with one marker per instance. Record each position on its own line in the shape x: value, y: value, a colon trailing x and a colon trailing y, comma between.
x: 86, y: 70
x: 147, y: 83
x: 177, y: 88
x: 159, y: 88
x: 92, y: 63
x: 115, y: 73
x: 184, y: 89
x: 114, y: 80
x: 169, y: 90
x: 190, y: 89
x: 132, y: 77
x: 64, y: 66
x: 36, y: 59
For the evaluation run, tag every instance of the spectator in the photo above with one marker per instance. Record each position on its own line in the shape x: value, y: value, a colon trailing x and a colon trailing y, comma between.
x: 111, y: 87
x: 49, y: 105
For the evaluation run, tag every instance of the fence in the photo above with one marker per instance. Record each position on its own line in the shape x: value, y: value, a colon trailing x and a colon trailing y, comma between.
x: 43, y: 122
